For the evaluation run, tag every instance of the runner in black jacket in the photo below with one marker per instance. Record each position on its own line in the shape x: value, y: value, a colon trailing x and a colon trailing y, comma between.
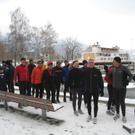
x: 31, y: 66
x: 121, y: 78
x: 3, y: 79
x: 94, y: 87
x: 58, y: 72
x: 85, y: 63
x: 10, y: 73
x: 75, y: 81
x: 49, y: 78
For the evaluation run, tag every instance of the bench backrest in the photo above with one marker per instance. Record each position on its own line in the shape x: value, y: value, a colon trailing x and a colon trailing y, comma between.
x: 27, y: 100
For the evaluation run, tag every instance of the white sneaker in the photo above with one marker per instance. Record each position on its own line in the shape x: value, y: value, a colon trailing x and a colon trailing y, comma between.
x: 124, y: 119
x: 76, y: 113
x: 80, y: 111
x: 113, y: 109
x: 95, y: 120
x: 89, y: 118
x: 116, y: 116
x: 109, y: 112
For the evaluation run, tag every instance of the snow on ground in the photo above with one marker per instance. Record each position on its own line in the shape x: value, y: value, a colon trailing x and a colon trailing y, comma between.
x: 28, y: 121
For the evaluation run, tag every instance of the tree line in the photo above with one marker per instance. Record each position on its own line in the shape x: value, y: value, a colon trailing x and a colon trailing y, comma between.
x: 24, y: 40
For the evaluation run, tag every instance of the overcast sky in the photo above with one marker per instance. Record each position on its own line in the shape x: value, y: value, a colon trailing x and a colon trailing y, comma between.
x: 110, y: 22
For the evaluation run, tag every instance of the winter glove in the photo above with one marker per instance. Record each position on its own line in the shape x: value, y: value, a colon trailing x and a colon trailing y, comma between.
x: 125, y: 83
x: 134, y: 77
x: 101, y: 93
x: 106, y: 68
x: 16, y: 84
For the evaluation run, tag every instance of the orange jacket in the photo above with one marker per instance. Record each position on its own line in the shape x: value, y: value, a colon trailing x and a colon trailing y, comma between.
x: 37, y: 75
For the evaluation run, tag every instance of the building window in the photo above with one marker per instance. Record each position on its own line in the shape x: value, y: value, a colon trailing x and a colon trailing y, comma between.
x: 101, y: 58
x: 108, y: 58
x: 104, y: 58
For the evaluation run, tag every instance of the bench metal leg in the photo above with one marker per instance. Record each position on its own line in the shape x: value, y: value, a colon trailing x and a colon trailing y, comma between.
x: 44, y: 114
x: 5, y: 105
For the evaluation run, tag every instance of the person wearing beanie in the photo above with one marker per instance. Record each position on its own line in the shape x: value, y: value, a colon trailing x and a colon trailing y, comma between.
x: 65, y: 72
x: 36, y: 77
x: 31, y: 66
x: 3, y: 79
x: 23, y: 73
x: 121, y: 78
x: 9, y: 70
x: 75, y: 82
x: 85, y: 66
x: 58, y: 71
x: 4, y: 64
x: 49, y: 79
x: 94, y: 88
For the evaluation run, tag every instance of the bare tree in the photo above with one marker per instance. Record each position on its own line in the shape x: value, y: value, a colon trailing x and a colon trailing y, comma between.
x: 51, y: 53
x: 49, y: 36
x: 3, y: 48
x: 17, y: 38
x: 36, y: 41
x: 88, y: 49
x: 3, y: 52
x: 72, y: 48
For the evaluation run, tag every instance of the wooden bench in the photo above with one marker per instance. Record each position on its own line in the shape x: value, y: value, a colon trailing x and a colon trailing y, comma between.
x: 43, y: 104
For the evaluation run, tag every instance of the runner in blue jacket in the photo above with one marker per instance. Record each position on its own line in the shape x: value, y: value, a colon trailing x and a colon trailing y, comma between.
x: 65, y: 72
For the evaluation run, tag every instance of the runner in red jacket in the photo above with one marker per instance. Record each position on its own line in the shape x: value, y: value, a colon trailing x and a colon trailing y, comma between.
x: 111, y: 100
x: 23, y: 77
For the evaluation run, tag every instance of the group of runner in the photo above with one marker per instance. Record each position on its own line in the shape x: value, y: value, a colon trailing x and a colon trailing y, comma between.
x: 85, y: 81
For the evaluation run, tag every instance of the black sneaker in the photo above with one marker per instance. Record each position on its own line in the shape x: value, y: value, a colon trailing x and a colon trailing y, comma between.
x: 58, y: 101
x: 64, y: 100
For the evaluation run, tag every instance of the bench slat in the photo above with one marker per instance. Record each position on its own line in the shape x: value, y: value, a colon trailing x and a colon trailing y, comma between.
x: 16, y: 100
x: 37, y: 99
x: 2, y: 92
x: 14, y: 95
x: 42, y: 103
x: 39, y: 105
x: 2, y: 97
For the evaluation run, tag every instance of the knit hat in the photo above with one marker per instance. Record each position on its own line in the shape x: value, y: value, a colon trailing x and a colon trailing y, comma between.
x: 7, y: 62
x: 3, y: 61
x: 23, y: 59
x: 84, y: 61
x: 65, y: 60
x: 75, y: 63
x: 40, y: 61
x: 58, y: 62
x: 30, y: 60
x: 118, y: 59
x: 10, y: 61
x: 50, y: 63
